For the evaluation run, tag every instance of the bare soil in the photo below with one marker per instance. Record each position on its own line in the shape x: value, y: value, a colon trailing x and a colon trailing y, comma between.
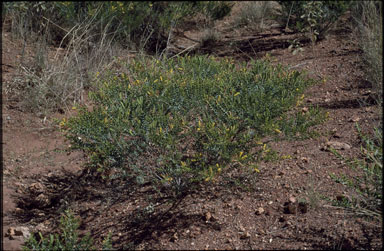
x: 40, y: 179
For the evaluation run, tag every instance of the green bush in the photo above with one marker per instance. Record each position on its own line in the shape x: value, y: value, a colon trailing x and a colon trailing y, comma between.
x: 315, y: 17
x: 182, y: 121
x: 68, y: 239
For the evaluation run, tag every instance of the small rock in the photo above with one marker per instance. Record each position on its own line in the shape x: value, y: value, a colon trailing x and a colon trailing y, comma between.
x: 245, y: 235
x: 174, y: 237
x: 36, y: 187
x: 207, y: 216
x: 10, y: 232
x: 18, y: 210
x: 354, y: 119
x: 260, y: 211
x: 337, y: 145
x: 305, y: 109
x: 292, y: 199
x: 24, y: 232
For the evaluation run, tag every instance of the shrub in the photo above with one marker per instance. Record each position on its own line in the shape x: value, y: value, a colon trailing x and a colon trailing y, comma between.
x: 182, y: 121
x: 315, y: 17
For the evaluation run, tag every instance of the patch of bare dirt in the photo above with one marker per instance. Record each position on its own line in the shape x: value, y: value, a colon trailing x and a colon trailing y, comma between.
x: 287, y: 207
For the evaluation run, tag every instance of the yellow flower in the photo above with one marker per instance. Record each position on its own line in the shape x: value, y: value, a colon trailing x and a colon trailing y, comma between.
x: 277, y: 130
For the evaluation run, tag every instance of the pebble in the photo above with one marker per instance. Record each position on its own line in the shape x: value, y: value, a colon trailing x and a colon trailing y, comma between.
x: 245, y: 235
x: 260, y: 211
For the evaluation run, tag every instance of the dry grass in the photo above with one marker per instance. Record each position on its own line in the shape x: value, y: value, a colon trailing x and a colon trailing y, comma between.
x: 56, y: 79
x: 369, y: 33
x: 255, y: 13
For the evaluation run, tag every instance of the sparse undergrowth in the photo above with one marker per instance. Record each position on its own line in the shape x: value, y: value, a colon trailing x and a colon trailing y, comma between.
x: 67, y: 239
x: 369, y: 185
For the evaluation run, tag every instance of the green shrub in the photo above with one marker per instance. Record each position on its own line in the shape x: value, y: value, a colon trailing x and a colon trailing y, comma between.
x: 315, y: 17
x: 184, y: 120
x: 68, y: 239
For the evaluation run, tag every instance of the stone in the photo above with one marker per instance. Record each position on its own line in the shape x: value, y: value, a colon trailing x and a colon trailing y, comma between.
x: 207, y: 216
x: 245, y: 235
x: 337, y: 145
x: 260, y: 211
x: 292, y: 199
x: 174, y: 237
x: 354, y: 119
x: 36, y: 187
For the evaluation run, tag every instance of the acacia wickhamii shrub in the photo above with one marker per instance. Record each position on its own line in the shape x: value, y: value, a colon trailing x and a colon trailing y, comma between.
x: 182, y: 121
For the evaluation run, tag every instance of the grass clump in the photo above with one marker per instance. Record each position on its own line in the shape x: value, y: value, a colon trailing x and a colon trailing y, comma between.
x: 254, y: 13
x: 182, y: 121
x: 368, y: 20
